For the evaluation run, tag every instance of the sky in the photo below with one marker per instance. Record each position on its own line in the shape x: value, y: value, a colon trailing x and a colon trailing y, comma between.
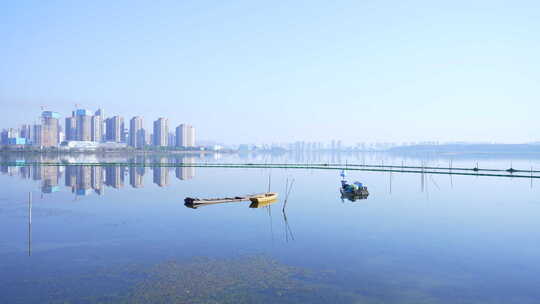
x: 281, y: 71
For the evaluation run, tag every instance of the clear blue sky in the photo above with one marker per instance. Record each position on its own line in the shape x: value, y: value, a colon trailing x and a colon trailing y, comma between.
x: 271, y: 71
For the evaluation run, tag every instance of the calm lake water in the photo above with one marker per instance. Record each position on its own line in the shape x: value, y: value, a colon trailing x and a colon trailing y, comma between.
x: 120, y: 234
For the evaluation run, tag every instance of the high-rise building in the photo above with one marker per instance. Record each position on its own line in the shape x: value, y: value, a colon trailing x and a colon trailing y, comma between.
x: 14, y: 133
x: 71, y: 128
x: 49, y: 129
x: 4, y: 137
x: 136, y: 132
x: 83, y: 120
x: 114, y: 129
x: 161, y: 132
x: 97, y: 126
x: 123, y: 133
x: 171, y: 141
x: 36, y: 140
x: 11, y: 136
x: 185, y: 136
x: 148, y: 138
x: 109, y: 129
x: 26, y: 133
x: 61, y: 135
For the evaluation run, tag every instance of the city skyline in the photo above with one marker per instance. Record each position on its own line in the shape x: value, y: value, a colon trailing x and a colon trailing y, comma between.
x: 95, y: 127
x: 424, y: 71
x: 87, y: 126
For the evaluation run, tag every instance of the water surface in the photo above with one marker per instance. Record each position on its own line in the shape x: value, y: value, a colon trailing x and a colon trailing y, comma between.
x: 122, y: 234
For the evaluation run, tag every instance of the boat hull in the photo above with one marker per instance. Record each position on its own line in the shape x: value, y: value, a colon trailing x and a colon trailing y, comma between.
x: 194, y: 203
x: 266, y: 197
x: 262, y: 204
x: 360, y: 194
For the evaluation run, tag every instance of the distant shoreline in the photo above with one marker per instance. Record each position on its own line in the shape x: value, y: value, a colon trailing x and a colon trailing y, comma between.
x: 114, y: 152
x: 446, y: 150
x: 470, y: 148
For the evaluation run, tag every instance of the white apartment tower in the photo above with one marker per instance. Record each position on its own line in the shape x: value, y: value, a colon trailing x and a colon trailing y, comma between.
x: 185, y: 136
x: 136, y: 132
x: 161, y: 132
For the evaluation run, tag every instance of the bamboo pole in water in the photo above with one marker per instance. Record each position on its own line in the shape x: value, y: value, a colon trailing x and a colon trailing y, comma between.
x: 29, y: 223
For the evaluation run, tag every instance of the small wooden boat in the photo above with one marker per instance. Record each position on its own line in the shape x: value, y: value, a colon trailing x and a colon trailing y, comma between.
x: 265, y: 197
x: 196, y: 203
x: 193, y: 202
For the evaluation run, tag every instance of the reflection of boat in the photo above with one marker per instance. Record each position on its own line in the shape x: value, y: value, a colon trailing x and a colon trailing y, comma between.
x: 352, y: 191
x: 198, y: 202
x: 265, y: 197
x: 260, y: 204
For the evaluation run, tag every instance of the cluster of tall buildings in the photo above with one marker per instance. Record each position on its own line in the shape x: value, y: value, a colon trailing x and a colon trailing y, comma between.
x: 83, y: 125
x: 183, y: 137
x: 48, y: 133
x: 87, y: 126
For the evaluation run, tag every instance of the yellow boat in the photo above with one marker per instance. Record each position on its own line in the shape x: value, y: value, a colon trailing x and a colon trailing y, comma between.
x: 262, y: 204
x: 265, y: 197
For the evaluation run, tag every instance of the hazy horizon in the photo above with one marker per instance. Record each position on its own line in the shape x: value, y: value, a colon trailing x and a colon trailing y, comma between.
x: 279, y: 72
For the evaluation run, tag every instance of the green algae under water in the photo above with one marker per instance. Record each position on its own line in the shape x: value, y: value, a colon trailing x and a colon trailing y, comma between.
x: 240, y: 280
x: 249, y: 279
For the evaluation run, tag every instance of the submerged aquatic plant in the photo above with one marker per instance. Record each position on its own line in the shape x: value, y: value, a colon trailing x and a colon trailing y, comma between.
x: 241, y: 280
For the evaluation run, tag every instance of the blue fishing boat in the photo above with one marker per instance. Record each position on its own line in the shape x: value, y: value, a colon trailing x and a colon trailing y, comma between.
x: 353, y: 191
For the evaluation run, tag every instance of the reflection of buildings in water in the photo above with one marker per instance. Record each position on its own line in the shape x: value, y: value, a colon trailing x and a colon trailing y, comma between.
x: 136, y: 177
x: 36, y: 172
x: 50, y: 176
x: 114, y: 177
x: 70, y: 176
x: 10, y: 170
x: 83, y: 182
x: 97, y: 179
x: 26, y: 172
x: 13, y: 171
x: 161, y: 176
x: 185, y: 173
x: 83, y: 179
